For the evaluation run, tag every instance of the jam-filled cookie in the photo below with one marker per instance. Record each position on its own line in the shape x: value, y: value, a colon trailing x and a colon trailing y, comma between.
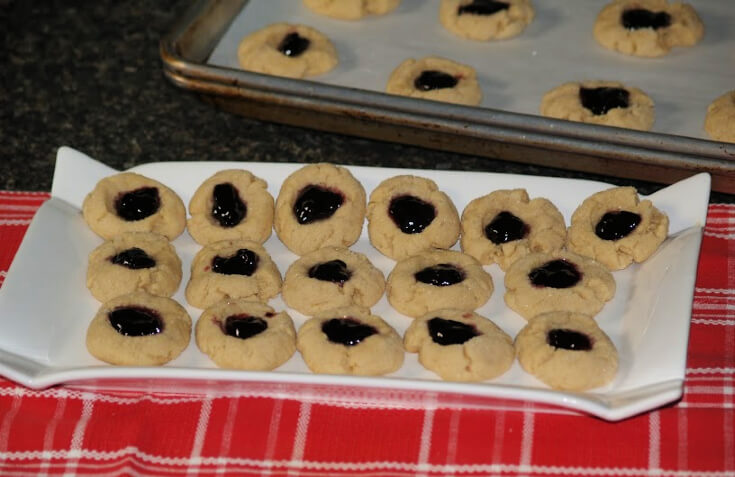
x: 720, y: 120
x: 352, y: 9
x: 485, y: 20
x: 437, y: 79
x: 505, y: 225
x: 567, y: 351
x: 438, y: 279
x: 232, y: 204
x: 609, y: 103
x: 350, y: 340
x: 282, y: 49
x: 332, y: 277
x: 460, y: 345
x: 139, y: 329
x: 616, y: 228
x: 232, y: 269
x: 647, y: 27
x: 319, y: 205
x: 560, y: 281
x: 133, y: 261
x: 241, y: 334
x: 408, y: 214
x: 130, y: 202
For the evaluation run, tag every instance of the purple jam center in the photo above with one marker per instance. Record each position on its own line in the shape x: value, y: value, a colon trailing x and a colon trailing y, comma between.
x: 243, y: 326
x: 448, y: 332
x: 347, y: 331
x: 637, y: 18
x: 411, y: 214
x: 227, y: 207
x: 334, y: 271
x: 601, y: 100
x: 483, y: 7
x: 555, y: 274
x: 616, y: 225
x: 138, y: 204
x: 135, y: 321
x: 243, y: 262
x: 316, y: 203
x: 433, y: 79
x: 293, y: 45
x: 505, y: 227
x: 134, y: 259
x: 572, y: 340
x: 440, y: 275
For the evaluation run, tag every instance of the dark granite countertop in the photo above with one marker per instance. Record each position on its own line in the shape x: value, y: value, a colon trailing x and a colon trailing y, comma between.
x: 88, y: 75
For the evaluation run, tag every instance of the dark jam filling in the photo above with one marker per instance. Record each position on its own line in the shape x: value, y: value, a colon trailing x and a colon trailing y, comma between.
x: 243, y: 326
x: 603, y: 99
x: 135, y: 321
x: 637, y: 18
x: 138, y: 204
x: 334, y: 271
x: 440, y: 275
x: 244, y: 262
x: 616, y: 225
x: 505, y: 227
x: 568, y: 339
x: 293, y: 45
x: 483, y: 7
x: 227, y: 207
x: 448, y: 332
x: 432, y: 79
x: 347, y: 331
x: 411, y: 214
x: 134, y: 259
x: 555, y: 274
x: 316, y: 203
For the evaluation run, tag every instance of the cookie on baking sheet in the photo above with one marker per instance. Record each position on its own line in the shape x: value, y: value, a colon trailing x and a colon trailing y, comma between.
x: 130, y: 202
x: 352, y: 9
x: 437, y: 79
x: 460, y: 345
x: 609, y: 103
x: 720, y: 120
x: 485, y: 20
x: 408, y: 214
x: 647, y: 28
x: 559, y: 281
x: 332, y: 277
x: 232, y: 204
x: 319, y: 205
x: 232, y: 269
x: 437, y: 279
x: 139, y: 329
x: 505, y: 225
x: 282, y: 49
x: 241, y: 334
x: 616, y: 228
x: 133, y: 261
x: 567, y: 351
x: 350, y: 340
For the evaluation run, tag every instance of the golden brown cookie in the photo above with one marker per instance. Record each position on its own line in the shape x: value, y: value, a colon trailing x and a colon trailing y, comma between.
x: 437, y: 79
x: 485, y: 20
x: 720, y: 120
x: 352, y: 9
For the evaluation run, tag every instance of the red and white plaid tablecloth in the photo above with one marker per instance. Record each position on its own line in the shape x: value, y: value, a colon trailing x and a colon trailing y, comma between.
x: 92, y: 432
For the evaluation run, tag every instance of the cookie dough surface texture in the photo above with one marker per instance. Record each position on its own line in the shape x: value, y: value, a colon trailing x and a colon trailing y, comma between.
x: 352, y: 9
x: 451, y: 280
x: 282, y: 49
x: 565, y: 102
x: 647, y: 28
x: 130, y: 202
x: 567, y: 351
x: 592, y: 286
x: 437, y: 79
x: 470, y: 19
x: 241, y: 334
x: 332, y: 277
x: 133, y: 261
x: 117, y: 337
x: 232, y: 204
x: 720, y: 120
x: 319, y: 205
x: 460, y: 345
x: 350, y: 340
x: 519, y: 226
x: 232, y: 269
x: 602, y: 208
x: 408, y: 214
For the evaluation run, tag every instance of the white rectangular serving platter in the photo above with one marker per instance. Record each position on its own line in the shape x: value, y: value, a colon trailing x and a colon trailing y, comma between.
x: 45, y: 307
